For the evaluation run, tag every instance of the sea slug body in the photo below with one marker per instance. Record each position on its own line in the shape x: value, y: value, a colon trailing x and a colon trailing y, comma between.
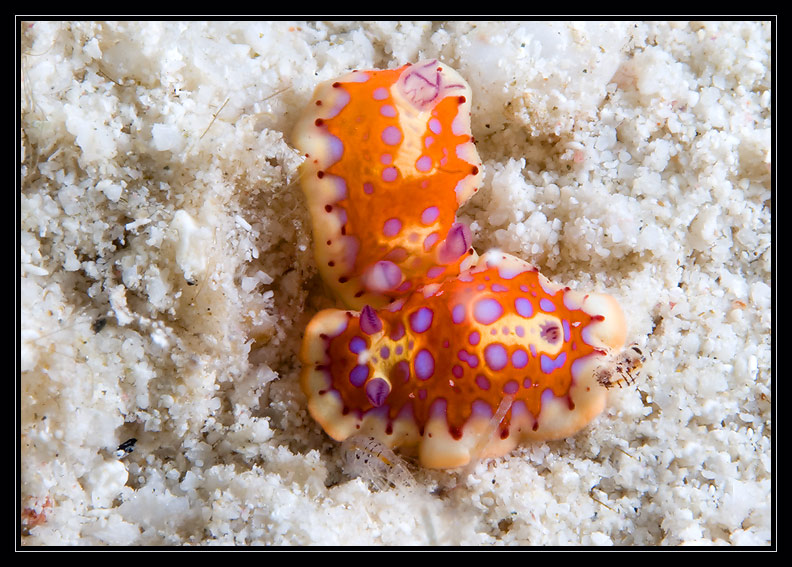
x: 443, y: 353
x: 428, y: 372
x: 389, y: 158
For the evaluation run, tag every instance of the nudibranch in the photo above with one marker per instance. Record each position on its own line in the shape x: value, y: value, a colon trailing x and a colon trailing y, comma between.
x: 428, y: 372
x: 389, y: 158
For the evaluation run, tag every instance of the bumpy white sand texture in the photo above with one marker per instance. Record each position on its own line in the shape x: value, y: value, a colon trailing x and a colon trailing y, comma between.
x: 166, y: 275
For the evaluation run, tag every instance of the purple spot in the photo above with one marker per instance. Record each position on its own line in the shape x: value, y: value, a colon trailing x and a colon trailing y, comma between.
x: 384, y: 352
x: 386, y: 159
x: 368, y: 188
x: 383, y: 276
x: 435, y: 272
x: 487, y: 310
x: 527, y: 383
x: 429, y: 215
x: 392, y: 227
x: 424, y: 365
x: 524, y: 307
x: 380, y: 93
x: 358, y: 77
x: 357, y: 344
x: 567, y: 332
x: 480, y: 409
x: 499, y: 287
x: 340, y: 187
x: 428, y: 141
x: 482, y: 382
x: 430, y: 240
x: 511, y: 387
x: 424, y: 164
x: 458, y: 314
x: 519, y: 358
x: 336, y: 148
x: 496, y: 357
x: 392, y: 136
x: 389, y: 174
x: 359, y: 375
x: 548, y: 365
x: 550, y: 332
x: 507, y: 273
x: 342, y: 98
x: 457, y: 371
x: 474, y: 338
x: 369, y: 321
x: 377, y: 391
x: 421, y: 320
x: 388, y: 110
x: 519, y: 330
x: 546, y: 305
x: 435, y: 126
x: 471, y: 359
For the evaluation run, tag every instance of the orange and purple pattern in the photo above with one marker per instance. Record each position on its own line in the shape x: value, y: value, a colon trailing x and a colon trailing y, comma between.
x: 436, y: 339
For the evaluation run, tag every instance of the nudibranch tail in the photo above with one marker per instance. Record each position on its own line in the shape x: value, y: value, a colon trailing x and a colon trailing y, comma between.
x: 433, y: 371
x: 389, y: 158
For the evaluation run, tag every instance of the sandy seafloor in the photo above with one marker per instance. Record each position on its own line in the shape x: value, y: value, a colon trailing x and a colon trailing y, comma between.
x: 166, y: 275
